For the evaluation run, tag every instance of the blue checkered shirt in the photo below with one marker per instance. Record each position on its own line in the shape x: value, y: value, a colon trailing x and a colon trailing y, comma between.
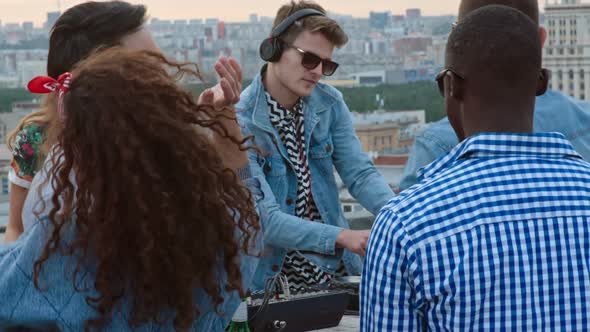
x: 496, y: 236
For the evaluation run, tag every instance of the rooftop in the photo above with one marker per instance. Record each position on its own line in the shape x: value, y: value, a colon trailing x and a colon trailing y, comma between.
x: 391, y: 160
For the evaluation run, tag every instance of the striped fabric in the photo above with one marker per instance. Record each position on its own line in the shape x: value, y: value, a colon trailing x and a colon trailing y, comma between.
x: 290, y: 126
x: 495, y: 237
x: 300, y: 272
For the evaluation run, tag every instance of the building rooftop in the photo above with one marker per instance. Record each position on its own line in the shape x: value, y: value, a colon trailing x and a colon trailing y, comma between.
x: 391, y: 160
x: 371, y: 127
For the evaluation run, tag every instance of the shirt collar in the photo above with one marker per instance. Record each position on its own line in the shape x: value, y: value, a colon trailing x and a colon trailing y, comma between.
x: 547, y: 145
x: 283, y: 113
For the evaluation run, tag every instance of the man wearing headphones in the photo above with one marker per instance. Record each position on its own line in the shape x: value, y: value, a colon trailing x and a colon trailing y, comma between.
x: 303, y: 130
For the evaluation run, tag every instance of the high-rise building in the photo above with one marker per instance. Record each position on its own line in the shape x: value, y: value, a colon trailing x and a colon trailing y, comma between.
x: 28, y: 26
x: 221, y: 30
x: 413, y: 14
x: 379, y: 20
x: 52, y: 17
x: 27, y: 70
x: 567, y: 49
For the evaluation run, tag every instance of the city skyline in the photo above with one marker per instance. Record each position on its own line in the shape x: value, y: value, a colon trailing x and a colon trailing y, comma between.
x: 18, y: 11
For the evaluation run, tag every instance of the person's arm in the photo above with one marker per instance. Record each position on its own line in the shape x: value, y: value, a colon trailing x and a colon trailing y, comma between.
x: 23, y: 306
x: 283, y: 230
x: 20, y: 175
x: 388, y: 300
x: 432, y: 144
x: 222, y: 98
x: 231, y: 154
x: 15, y: 223
x: 355, y: 168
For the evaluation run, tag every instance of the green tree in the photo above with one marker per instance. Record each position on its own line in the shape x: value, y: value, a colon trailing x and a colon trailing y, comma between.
x: 411, y: 96
x: 9, y: 96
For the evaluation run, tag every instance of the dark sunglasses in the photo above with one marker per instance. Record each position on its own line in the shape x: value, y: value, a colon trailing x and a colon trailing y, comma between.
x: 311, y: 61
x: 440, y: 79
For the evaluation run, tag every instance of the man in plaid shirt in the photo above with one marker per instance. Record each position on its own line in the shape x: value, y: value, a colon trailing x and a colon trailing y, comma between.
x: 496, y: 234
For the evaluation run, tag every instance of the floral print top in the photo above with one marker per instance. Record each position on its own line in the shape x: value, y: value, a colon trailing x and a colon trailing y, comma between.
x: 26, y: 153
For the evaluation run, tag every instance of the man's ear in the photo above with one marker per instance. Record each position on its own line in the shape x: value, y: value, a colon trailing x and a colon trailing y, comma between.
x: 543, y: 82
x: 454, y: 86
x: 542, y: 36
x: 454, y: 95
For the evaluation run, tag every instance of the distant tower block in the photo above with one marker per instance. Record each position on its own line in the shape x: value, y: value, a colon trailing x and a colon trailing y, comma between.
x: 567, y: 48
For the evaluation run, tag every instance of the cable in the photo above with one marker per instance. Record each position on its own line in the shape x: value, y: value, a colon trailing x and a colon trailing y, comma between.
x: 269, y: 289
x: 285, y: 286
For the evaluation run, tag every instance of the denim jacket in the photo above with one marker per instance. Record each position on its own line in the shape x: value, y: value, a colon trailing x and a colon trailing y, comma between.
x: 330, y: 142
x: 554, y: 112
x: 58, y: 306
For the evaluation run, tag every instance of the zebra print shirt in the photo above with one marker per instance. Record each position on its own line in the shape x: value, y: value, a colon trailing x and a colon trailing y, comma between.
x: 300, y: 272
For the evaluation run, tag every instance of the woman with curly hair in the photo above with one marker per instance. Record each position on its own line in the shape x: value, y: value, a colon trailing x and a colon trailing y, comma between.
x: 77, y: 33
x: 148, y: 217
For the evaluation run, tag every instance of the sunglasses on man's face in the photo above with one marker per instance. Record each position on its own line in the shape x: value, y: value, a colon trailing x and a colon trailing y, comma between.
x: 311, y: 61
x: 440, y: 79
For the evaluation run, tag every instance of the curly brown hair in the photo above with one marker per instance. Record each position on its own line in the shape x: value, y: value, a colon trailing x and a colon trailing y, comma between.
x: 154, y: 211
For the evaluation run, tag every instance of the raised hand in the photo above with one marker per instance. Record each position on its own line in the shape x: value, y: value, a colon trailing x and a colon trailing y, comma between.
x: 227, y: 91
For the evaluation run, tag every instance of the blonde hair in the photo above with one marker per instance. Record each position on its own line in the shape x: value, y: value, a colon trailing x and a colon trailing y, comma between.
x: 328, y: 27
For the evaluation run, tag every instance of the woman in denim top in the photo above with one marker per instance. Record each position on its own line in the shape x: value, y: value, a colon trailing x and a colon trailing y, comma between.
x: 143, y: 222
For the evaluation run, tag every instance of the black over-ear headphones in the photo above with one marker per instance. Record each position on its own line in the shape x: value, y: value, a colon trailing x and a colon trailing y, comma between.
x: 272, y: 47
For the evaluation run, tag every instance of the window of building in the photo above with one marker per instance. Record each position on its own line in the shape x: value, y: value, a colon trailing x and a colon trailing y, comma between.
x: 571, y: 74
x: 347, y: 208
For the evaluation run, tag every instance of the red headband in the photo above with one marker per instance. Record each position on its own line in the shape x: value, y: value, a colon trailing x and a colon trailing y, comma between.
x: 44, y: 84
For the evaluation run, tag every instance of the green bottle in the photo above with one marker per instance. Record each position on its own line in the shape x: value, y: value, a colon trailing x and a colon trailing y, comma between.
x: 239, y: 322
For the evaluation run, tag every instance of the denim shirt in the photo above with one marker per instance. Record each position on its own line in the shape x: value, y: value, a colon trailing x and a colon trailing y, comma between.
x: 58, y: 306
x: 330, y: 142
x: 554, y: 112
